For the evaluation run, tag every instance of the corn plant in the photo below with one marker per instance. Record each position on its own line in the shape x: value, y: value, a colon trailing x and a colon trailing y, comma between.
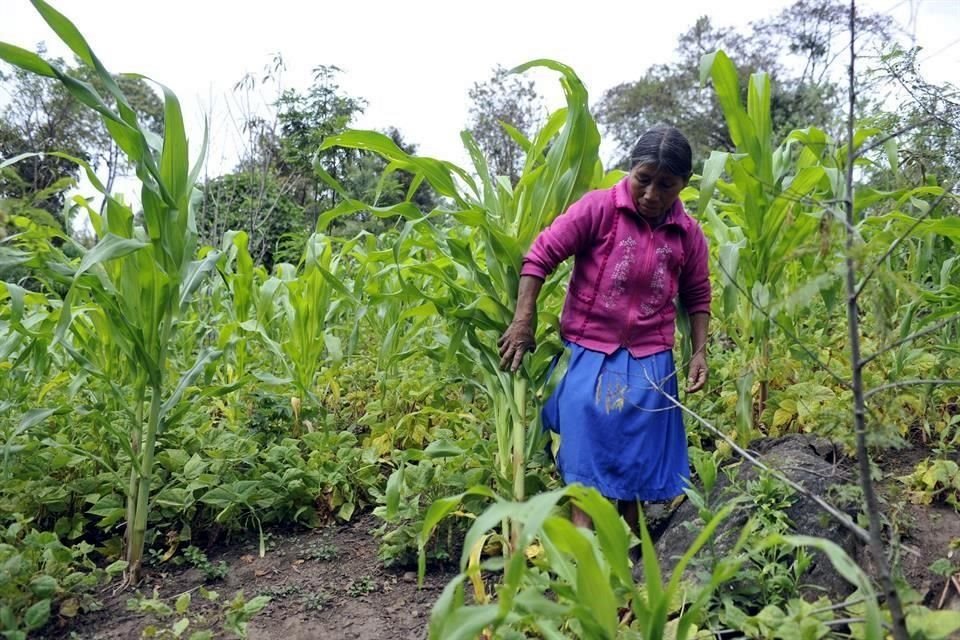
x: 587, y: 571
x: 135, y: 283
x: 472, y: 267
x: 311, y: 306
x: 769, y: 211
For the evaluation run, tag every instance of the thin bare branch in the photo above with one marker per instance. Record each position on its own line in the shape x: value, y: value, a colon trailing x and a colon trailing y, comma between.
x: 913, y: 336
x: 838, y: 515
x: 875, y: 537
x: 839, y: 605
x: 895, y: 134
x: 909, y: 383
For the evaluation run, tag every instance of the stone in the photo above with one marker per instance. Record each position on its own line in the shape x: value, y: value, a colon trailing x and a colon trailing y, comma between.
x: 811, y: 462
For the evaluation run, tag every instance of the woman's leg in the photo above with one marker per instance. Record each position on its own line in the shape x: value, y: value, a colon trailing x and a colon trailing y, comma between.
x: 630, y: 511
x: 580, y: 518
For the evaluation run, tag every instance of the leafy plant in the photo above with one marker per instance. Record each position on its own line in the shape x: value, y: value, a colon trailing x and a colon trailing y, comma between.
x: 588, y: 572
x: 199, y: 560
x: 361, y: 587
x: 324, y: 552
x: 235, y: 615
x: 762, y: 221
x: 40, y: 576
x: 934, y: 480
x: 136, y: 281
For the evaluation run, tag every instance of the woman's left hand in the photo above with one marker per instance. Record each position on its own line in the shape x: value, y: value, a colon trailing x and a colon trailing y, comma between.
x: 698, y: 372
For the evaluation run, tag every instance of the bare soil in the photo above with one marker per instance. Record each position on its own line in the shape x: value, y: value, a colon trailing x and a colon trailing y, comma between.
x: 323, y: 584
x: 928, y: 532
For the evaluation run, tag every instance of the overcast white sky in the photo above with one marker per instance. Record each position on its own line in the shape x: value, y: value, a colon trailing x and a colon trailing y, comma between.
x: 413, y: 61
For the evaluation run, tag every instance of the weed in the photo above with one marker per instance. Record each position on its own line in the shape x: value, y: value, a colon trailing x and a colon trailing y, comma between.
x: 316, y: 600
x: 361, y: 587
x: 211, y: 571
x: 324, y: 552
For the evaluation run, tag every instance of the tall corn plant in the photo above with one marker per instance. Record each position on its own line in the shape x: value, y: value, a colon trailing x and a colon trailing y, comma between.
x: 478, y: 257
x: 301, y: 314
x: 770, y: 208
x: 137, y: 280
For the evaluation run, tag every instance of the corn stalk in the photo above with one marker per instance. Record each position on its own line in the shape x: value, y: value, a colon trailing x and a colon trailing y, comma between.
x: 771, y: 206
x: 477, y: 262
x: 135, y: 280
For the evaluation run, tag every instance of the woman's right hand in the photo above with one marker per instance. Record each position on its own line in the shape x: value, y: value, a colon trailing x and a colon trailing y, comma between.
x: 515, y: 341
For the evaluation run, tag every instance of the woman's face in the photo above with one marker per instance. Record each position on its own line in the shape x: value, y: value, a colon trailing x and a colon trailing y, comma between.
x: 654, y: 190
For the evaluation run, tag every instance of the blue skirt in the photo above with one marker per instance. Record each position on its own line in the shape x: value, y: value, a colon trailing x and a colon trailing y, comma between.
x: 618, y: 433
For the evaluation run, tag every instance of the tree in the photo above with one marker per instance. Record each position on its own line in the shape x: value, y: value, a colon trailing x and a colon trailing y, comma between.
x: 277, y: 188
x: 42, y: 116
x: 304, y: 121
x: 504, y: 99
x: 258, y: 203
x: 803, y: 37
x: 927, y: 116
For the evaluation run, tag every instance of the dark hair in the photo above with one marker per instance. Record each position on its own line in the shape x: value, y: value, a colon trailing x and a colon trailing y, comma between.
x: 666, y: 148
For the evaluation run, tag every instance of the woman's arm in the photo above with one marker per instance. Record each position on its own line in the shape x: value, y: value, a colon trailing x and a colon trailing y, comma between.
x: 697, y: 378
x: 566, y: 235
x: 519, y: 338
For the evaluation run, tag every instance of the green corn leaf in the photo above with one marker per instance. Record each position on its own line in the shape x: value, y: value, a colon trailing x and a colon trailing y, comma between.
x: 595, y: 599
x: 712, y: 169
x: 16, y: 294
x: 197, y: 273
x: 66, y: 30
x: 613, y: 535
x: 33, y: 417
x: 110, y: 247
x: 718, y: 67
x: 439, y: 510
x: 203, y: 360
x: 517, y: 136
x: 847, y: 568
x: 26, y: 60
x: 174, y: 161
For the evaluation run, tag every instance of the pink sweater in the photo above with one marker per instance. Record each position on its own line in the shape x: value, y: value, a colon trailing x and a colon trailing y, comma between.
x: 625, y: 274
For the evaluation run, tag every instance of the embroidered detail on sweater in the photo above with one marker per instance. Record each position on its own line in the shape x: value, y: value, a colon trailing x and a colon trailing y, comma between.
x: 658, y: 283
x: 621, y: 273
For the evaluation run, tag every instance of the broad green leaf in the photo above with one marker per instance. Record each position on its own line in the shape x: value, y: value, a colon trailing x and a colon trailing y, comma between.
x: 26, y: 60
x: 933, y: 625
x: 44, y: 586
x: 110, y: 247
x: 37, y: 615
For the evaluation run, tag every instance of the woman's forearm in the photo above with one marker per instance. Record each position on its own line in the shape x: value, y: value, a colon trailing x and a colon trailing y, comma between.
x: 699, y: 324
x: 527, y: 295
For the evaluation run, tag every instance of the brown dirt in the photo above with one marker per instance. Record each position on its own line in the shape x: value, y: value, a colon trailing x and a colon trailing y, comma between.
x: 929, y: 532
x: 349, y: 596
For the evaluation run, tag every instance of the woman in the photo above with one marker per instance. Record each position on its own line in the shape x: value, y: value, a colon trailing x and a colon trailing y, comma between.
x: 635, y: 250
